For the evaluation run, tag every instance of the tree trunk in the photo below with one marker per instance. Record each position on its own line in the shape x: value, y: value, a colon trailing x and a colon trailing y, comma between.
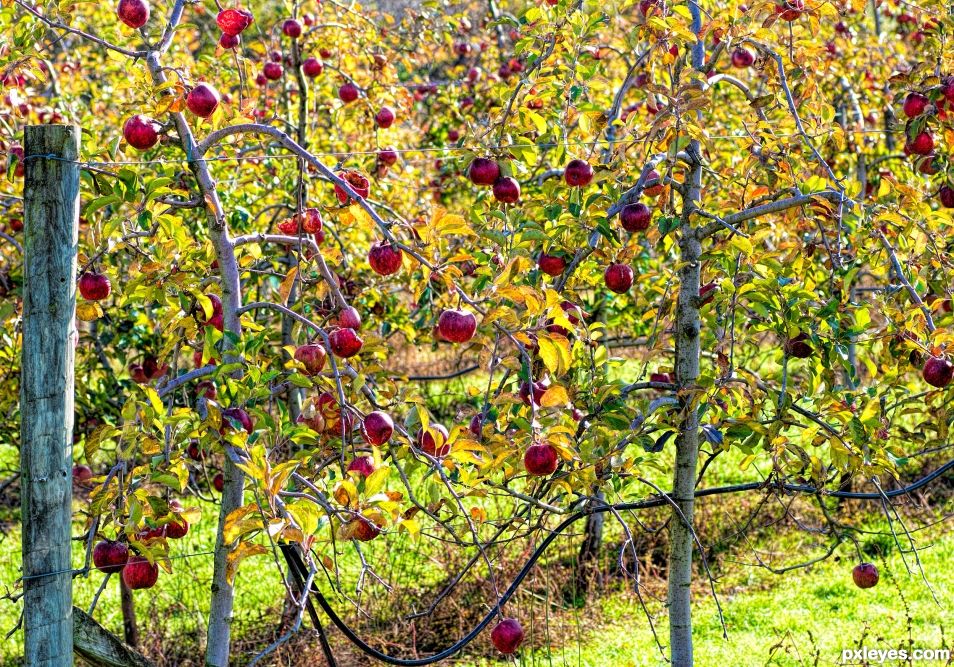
x: 51, y: 213
x: 128, y: 606
x: 590, y: 549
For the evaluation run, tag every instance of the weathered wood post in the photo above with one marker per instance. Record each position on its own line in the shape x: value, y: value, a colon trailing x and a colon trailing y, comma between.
x: 51, y: 214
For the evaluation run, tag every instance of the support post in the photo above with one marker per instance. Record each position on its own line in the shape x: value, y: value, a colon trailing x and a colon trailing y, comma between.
x: 51, y: 215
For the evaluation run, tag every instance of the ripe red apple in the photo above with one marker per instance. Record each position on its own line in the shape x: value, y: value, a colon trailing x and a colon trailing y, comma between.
x: 938, y: 372
x: 94, y: 286
x: 385, y: 258
x: 240, y: 416
x: 217, y: 319
x: 364, y: 530
x: 273, y: 71
x: 552, y: 265
x: 291, y: 28
x: 345, y: 342
x: 234, y: 21
x: 483, y: 171
x: 312, y: 357
x: 457, y: 326
x: 218, y: 482
x: 363, y: 465
x: 618, y: 277
x: 384, y: 118
x: 82, y: 474
x: 377, y: 428
x: 865, y: 575
x: 635, y: 217
x: 578, y: 173
x: 799, y: 346
x: 141, y: 132
x: 348, y: 318
x: 206, y: 389
x: 433, y: 441
x: 476, y: 424
x: 535, y: 393
x: 507, y: 636
x: 358, y: 182
x: 110, y: 556
x: 387, y: 156
x: 742, y: 57
x: 657, y: 188
x: 507, y: 190
x: 203, y: 100
x: 139, y: 573
x: 914, y: 105
x: 229, y: 41
x: 540, y: 459
x: 138, y: 374
x: 789, y: 10
x: 133, y: 13
x: 922, y: 144
x: 176, y: 530
x: 946, y: 195
x: 312, y: 67
x: 348, y: 93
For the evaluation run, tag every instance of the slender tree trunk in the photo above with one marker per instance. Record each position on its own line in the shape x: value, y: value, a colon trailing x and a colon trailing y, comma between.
x: 128, y: 606
x: 590, y: 549
x: 51, y: 212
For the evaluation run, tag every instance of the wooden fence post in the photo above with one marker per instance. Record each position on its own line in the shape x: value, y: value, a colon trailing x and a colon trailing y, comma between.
x: 51, y: 214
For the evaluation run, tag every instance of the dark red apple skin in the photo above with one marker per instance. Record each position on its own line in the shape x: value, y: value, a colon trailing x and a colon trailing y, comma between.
x: 377, y: 428
x: 483, y: 171
x: 203, y: 100
x: 82, y: 474
x: 946, y: 196
x: 291, y: 28
x: 457, y: 326
x: 865, y: 575
x: 507, y: 636
x: 578, y: 173
x: 133, y: 13
x: 387, y: 156
x: 507, y: 190
x: 348, y: 93
x: 139, y: 574
x: 218, y: 482
x: 364, y: 530
x: 476, y: 424
x: 141, y: 132
x: 635, y: 217
x: 348, y: 318
x: 540, y: 460
x: 657, y: 188
x: 742, y: 57
x: 229, y: 41
x: 312, y: 67
x: 176, y: 530
x: 428, y: 444
x: 94, y: 286
x: 345, y: 342
x: 799, y: 346
x: 312, y: 357
x: 938, y: 372
x: 536, y: 392
x: 385, y: 259
x: 239, y: 415
x: 914, y: 105
x: 110, y: 556
x: 552, y: 265
x: 921, y: 144
x: 363, y: 465
x: 618, y: 277
x: 233, y: 21
x: 384, y: 118
x: 273, y: 71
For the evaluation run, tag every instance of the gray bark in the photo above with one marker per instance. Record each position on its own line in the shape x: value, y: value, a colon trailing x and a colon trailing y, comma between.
x: 101, y: 648
x: 51, y: 215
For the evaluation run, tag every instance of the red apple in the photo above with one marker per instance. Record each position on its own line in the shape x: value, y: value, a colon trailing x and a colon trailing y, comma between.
x: 364, y: 530
x: 387, y: 156
x: 348, y: 93
x: 507, y: 190
x: 914, y: 105
x: 312, y: 357
x: 535, y: 393
x: 656, y: 188
x: 273, y: 71
x: 138, y: 374
x: 133, y: 13
x: 922, y: 144
x: 139, y: 573
x: 635, y: 217
x: 618, y: 277
x: 552, y: 265
x: 229, y: 41
x: 742, y: 57
x: 363, y: 465
x: 348, y: 318
x: 433, y: 441
x: 345, y: 342
x: 94, y: 286
x: 946, y: 195
x: 507, y: 636
x: 239, y: 416
x: 82, y: 474
x: 483, y: 171
x: 291, y: 28
x: 385, y: 258
x: 218, y: 482
x: 578, y: 173
x: 141, y: 132
x: 110, y: 556
x: 799, y: 346
x: 377, y: 428
x: 938, y: 372
x: 789, y: 10
x: 176, y: 530
x: 865, y: 575
x: 540, y: 459
x: 384, y: 118
x: 457, y: 326
x: 312, y: 67
x: 476, y: 424
x: 233, y: 21
x: 358, y: 182
x: 203, y: 100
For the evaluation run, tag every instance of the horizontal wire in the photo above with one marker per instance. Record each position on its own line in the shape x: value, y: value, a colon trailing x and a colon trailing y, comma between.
x: 80, y: 570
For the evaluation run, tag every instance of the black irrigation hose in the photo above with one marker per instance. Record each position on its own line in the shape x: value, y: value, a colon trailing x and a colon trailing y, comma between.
x: 297, y: 566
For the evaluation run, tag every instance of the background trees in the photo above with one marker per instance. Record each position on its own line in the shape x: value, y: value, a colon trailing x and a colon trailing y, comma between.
x: 756, y: 199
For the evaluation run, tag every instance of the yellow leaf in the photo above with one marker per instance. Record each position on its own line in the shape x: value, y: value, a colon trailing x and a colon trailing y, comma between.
x: 286, y: 287
x: 237, y: 555
x: 88, y: 311
x: 554, y: 396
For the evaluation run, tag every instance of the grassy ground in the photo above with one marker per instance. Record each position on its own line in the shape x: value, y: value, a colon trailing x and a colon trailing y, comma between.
x: 803, y: 617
